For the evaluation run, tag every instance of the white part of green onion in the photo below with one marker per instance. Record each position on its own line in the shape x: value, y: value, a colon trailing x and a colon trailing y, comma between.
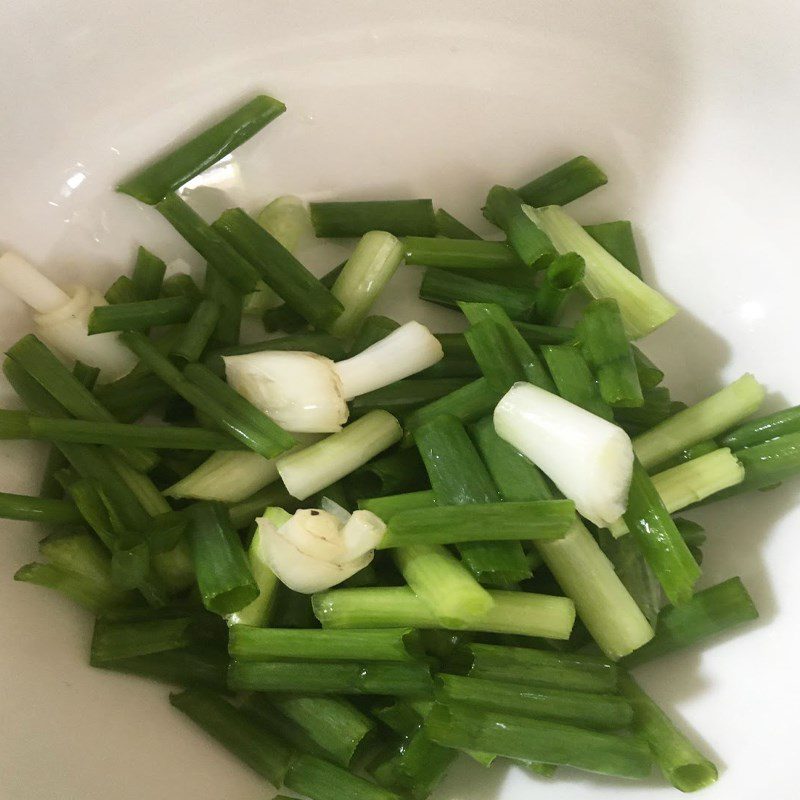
x: 588, y: 458
x: 643, y: 308
x: 23, y: 280
x: 257, y: 612
x: 312, y: 469
x: 693, y: 481
x: 404, y: 352
x: 299, y: 391
x: 373, y: 262
x: 703, y: 420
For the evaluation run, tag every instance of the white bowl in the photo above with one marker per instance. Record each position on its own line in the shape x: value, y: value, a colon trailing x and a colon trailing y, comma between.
x: 691, y: 107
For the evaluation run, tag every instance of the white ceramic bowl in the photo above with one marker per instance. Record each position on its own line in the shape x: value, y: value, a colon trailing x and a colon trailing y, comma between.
x: 691, y: 107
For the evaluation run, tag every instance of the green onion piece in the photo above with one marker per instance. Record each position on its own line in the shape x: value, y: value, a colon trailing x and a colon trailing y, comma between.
x: 123, y: 290
x: 113, y: 640
x: 659, y: 539
x: 522, y: 613
x: 122, y: 435
x: 247, y: 643
x: 400, y: 678
x: 333, y: 723
x: 186, y: 161
x: 405, y: 396
x: 561, y: 277
x: 319, y: 780
x: 49, y: 486
x: 220, y: 255
x: 148, y: 274
x: 536, y: 335
x: 400, y: 217
x: 198, y: 666
x: 680, y: 761
x: 457, y: 362
x: 584, y: 709
x: 447, y: 289
x: 374, y: 328
x: 237, y: 731
x: 449, y: 227
x: 574, y: 672
x: 762, y: 429
x: 141, y: 315
x: 443, y: 584
x: 709, y: 612
x: 307, y: 471
x: 375, y: 259
x: 462, y: 254
x: 578, y: 564
x: 606, y: 348
x: 658, y: 406
x: 538, y: 740
x: 278, y: 268
x: 387, y: 507
x: 689, y: 454
x: 505, y: 209
x: 223, y: 572
x: 694, y: 481
x: 40, y: 363
x: 617, y: 239
x: 543, y: 519
x: 129, y: 398
x: 574, y: 379
x: 649, y: 374
x: 467, y: 404
x: 230, y: 307
x: 643, y: 309
x: 497, y: 361
x: 198, y: 332
x: 38, y: 509
x: 704, y: 420
x: 564, y: 183
x: 257, y: 612
x: 401, y: 471
x: 181, y: 285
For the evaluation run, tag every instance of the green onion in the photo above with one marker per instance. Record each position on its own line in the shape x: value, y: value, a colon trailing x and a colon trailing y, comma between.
x: 469, y: 403
x: 649, y: 374
x: 617, y: 239
x: 387, y: 507
x: 319, y: 780
x: 522, y: 613
x: 704, y: 420
x: 496, y: 360
x: 443, y: 584
x: 450, y: 228
x: 374, y: 328
x: 658, y: 406
x: 710, y: 612
x: 536, y: 335
x: 606, y: 348
x: 400, y: 471
x: 400, y: 217
x: 458, y: 361
x: 331, y: 677
x: 230, y: 305
x: 461, y: 254
x: 198, y: 332
x: 141, y: 315
x: 522, y: 665
x: 544, y: 519
x: 538, y: 740
x: 643, y: 309
x: 279, y: 269
x: 691, y: 453
x: 682, y: 764
x: 376, y: 258
x: 658, y: 538
x: 447, y: 289
x: 247, y: 643
x: 38, y: 509
x: 223, y: 572
x: 148, y: 274
x: 505, y: 208
x: 561, y: 277
x: 181, y: 285
x: 113, y: 640
x: 123, y: 290
x: 761, y: 430
x: 311, y: 469
x: 220, y: 255
x: 405, y: 396
x: 574, y: 380
x: 236, y: 731
x: 564, y: 183
x: 584, y: 709
x: 188, y: 160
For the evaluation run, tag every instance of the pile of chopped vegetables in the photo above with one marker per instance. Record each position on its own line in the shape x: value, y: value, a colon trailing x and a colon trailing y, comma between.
x: 365, y: 549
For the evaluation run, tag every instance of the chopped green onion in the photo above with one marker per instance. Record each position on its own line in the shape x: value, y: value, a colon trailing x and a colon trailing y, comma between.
x: 643, y: 309
x: 450, y: 228
x: 562, y: 276
x: 574, y: 380
x: 38, y: 509
x: 400, y: 471
x: 564, y: 183
x: 186, y: 161
x: 148, y: 274
x: 230, y: 304
x: 114, y: 640
x: 704, y: 420
x: 649, y: 374
x: 505, y: 208
x: 319, y: 780
x: 761, y: 430
x: 617, y: 239
x: 387, y: 507
x: 461, y: 254
x: 496, y: 360
x: 181, y: 285
x: 198, y: 332
x: 123, y: 290
x: 405, y: 396
x: 141, y: 315
x: 468, y: 404
x: 400, y: 217
x: 229, y: 477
